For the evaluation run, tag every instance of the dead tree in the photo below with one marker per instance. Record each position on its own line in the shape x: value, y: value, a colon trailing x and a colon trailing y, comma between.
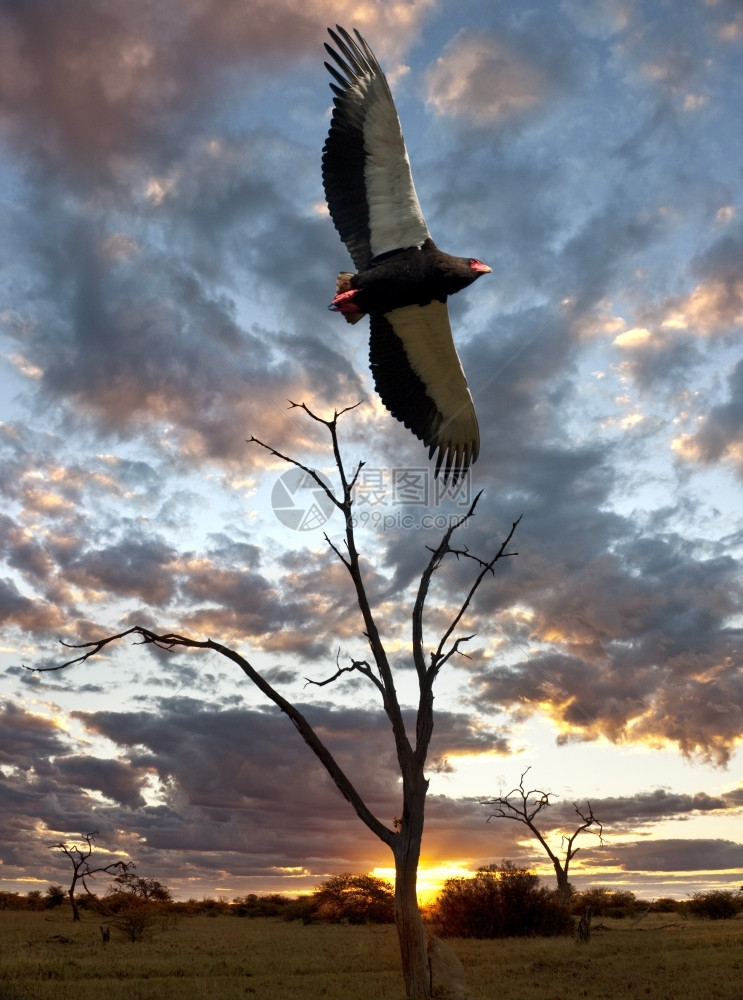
x: 403, y: 836
x: 523, y: 807
x: 82, y: 868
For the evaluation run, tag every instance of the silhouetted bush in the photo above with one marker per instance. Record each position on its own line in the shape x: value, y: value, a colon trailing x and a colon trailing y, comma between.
x: 12, y: 901
x: 605, y: 902
x: 55, y: 896
x: 717, y: 904
x: 355, y: 899
x: 133, y: 904
x: 666, y: 905
x: 302, y: 908
x: 271, y: 905
x: 211, y: 907
x: 499, y: 901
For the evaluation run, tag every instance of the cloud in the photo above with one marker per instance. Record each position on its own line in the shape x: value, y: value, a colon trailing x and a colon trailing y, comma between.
x: 681, y: 856
x: 116, y: 779
x: 481, y: 79
x: 26, y: 736
x: 719, y: 438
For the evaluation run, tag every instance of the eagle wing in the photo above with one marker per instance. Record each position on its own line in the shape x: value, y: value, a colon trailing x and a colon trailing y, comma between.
x: 366, y: 172
x: 419, y: 378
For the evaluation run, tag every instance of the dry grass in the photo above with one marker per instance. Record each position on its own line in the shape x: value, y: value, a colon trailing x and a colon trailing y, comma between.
x: 690, y: 960
x: 226, y: 957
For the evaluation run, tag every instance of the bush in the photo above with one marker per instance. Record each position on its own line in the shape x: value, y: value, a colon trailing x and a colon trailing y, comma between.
x: 131, y: 914
x: 605, y: 902
x: 499, y: 901
x: 12, y: 901
x: 717, y: 904
x: 271, y: 905
x: 55, y: 896
x: 355, y: 899
x: 666, y: 905
x: 302, y: 908
x: 133, y: 904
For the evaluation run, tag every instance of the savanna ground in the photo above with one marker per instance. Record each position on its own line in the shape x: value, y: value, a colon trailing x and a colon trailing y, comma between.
x: 44, y: 956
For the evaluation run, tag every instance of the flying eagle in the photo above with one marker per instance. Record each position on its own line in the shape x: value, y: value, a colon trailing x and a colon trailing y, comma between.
x: 403, y: 279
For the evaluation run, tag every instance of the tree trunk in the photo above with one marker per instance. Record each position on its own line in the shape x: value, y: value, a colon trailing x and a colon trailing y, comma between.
x: 410, y: 930
x: 406, y: 847
x: 73, y: 904
x: 564, y: 892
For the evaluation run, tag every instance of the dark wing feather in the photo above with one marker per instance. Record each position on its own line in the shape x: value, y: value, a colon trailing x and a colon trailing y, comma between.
x: 366, y: 172
x: 419, y: 378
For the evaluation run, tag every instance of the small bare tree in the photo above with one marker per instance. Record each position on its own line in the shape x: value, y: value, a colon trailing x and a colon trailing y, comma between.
x: 524, y: 807
x: 404, y: 835
x: 132, y: 904
x: 82, y: 868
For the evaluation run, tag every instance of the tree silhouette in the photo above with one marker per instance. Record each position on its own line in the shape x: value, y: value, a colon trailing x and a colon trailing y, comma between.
x: 404, y: 836
x: 133, y: 903
x: 82, y: 868
x: 359, y: 899
x: 524, y: 807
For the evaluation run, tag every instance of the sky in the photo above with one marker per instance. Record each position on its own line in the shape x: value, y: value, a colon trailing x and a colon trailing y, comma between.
x: 166, y: 270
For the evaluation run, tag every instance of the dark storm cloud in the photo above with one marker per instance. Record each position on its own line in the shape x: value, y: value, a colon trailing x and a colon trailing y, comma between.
x: 218, y: 774
x: 643, y: 633
x: 25, y: 737
x: 44, y: 790
x: 681, y: 856
x: 627, y: 812
x: 220, y: 770
x: 116, y: 779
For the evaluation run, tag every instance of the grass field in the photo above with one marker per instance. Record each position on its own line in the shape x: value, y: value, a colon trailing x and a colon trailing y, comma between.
x: 44, y: 956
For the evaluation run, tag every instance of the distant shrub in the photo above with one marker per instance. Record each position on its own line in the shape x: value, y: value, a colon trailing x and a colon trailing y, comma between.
x: 605, y: 902
x: 271, y: 905
x: 12, y: 901
x: 211, y: 907
x: 717, y: 904
x: 55, y: 896
x: 131, y: 914
x: 355, y: 899
x: 134, y: 903
x: 302, y: 908
x: 499, y: 901
x: 666, y: 905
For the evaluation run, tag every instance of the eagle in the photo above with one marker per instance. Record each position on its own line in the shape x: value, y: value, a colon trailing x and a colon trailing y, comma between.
x: 402, y: 279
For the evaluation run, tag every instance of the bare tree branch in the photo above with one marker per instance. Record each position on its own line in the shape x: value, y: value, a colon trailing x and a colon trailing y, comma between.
x: 405, y: 835
x: 82, y: 869
x: 526, y: 809
x: 357, y: 666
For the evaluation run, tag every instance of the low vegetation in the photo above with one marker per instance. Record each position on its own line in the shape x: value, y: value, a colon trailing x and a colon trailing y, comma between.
x: 45, y: 956
x: 499, y: 901
x: 340, y: 941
